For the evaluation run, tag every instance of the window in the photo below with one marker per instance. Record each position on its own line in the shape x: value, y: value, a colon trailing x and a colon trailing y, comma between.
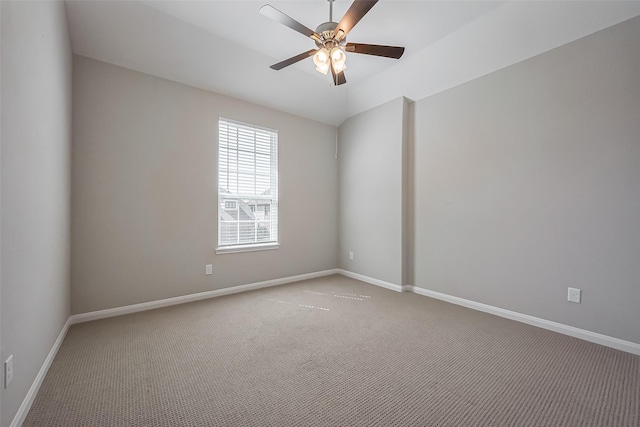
x: 247, y: 187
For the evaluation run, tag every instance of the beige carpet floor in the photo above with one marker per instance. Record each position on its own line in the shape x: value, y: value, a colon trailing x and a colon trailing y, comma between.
x: 331, y: 352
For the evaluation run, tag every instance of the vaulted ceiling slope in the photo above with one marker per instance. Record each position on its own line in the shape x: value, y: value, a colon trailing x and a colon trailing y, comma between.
x: 227, y: 46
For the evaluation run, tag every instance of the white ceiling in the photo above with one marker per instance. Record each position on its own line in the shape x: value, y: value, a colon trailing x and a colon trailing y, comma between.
x: 227, y: 46
x: 240, y: 21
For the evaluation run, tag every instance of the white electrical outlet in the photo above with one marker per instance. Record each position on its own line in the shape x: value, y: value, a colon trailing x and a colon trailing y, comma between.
x: 350, y: 255
x: 8, y: 371
x: 208, y: 269
x: 573, y: 295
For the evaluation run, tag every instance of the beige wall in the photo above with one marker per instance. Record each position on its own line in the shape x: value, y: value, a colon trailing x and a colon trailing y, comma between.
x: 371, y: 150
x: 527, y: 181
x: 144, y: 201
x: 35, y: 180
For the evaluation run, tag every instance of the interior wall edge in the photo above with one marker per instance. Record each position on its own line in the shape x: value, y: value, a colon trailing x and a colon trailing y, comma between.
x: 408, y: 189
x: 371, y: 192
x: 371, y: 280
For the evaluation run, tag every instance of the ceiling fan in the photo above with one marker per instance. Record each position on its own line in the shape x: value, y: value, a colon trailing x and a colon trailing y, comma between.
x: 331, y: 41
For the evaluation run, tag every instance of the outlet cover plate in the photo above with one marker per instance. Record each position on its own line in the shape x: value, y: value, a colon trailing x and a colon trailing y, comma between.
x: 573, y: 295
x: 208, y: 269
x: 8, y: 371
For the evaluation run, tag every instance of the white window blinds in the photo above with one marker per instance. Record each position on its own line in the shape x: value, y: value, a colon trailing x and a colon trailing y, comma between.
x: 247, y: 185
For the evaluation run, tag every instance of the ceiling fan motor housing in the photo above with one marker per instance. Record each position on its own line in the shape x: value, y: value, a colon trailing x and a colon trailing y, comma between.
x: 326, y: 31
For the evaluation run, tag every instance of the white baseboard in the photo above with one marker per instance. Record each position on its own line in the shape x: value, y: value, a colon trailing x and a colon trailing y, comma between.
x: 33, y: 391
x: 118, y: 311
x: 371, y: 280
x: 594, y: 337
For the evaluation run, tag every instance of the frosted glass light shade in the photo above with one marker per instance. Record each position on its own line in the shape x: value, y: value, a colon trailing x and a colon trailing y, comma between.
x: 321, y: 58
x: 323, y: 68
x: 338, y: 59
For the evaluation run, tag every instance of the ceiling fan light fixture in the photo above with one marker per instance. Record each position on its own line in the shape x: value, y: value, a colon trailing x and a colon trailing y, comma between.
x: 330, y: 39
x: 338, y: 59
x: 323, y: 68
x: 338, y: 56
x: 339, y: 68
x: 321, y: 58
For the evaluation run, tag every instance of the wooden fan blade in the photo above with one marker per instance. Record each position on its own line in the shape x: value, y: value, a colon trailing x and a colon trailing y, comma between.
x: 358, y: 9
x: 293, y: 60
x: 273, y: 13
x: 338, y: 78
x: 341, y: 78
x: 375, y: 49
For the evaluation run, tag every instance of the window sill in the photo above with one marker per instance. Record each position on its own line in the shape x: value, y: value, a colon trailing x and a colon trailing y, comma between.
x: 247, y: 248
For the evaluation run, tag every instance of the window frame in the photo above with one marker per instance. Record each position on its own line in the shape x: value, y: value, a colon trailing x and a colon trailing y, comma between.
x: 273, y: 186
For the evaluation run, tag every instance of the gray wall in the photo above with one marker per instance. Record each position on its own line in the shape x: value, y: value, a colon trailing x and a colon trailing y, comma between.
x: 35, y: 179
x: 527, y: 181
x: 1, y: 388
x: 372, y: 146
x: 144, y: 204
